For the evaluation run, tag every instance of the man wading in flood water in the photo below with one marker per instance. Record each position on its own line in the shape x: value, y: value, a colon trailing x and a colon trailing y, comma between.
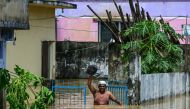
x: 101, y: 96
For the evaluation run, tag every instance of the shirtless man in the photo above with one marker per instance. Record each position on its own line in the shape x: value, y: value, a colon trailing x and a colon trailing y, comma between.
x: 101, y: 96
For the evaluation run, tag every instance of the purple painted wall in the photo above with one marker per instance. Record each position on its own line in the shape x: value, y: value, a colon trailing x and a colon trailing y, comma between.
x: 69, y: 28
x: 154, y: 8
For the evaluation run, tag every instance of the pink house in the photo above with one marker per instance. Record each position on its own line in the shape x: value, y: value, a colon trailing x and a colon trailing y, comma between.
x: 77, y: 29
x: 86, y: 29
x: 178, y: 25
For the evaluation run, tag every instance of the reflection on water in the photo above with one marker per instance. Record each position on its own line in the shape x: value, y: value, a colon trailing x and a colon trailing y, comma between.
x: 110, y: 107
x: 176, y: 102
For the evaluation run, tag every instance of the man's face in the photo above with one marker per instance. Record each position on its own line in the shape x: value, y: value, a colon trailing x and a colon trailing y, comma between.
x: 102, y: 87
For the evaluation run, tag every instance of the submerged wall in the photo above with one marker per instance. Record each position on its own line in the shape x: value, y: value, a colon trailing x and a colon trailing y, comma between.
x: 155, y: 86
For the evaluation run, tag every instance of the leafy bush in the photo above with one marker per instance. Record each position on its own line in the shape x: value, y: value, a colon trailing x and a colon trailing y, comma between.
x: 16, y: 85
x: 156, y: 43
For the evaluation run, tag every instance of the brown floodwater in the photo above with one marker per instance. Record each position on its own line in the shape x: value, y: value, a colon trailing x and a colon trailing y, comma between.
x: 75, y: 102
x: 175, y: 102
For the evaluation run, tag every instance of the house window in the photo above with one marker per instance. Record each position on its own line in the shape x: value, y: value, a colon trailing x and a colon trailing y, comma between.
x: 105, y: 35
x: 186, y: 30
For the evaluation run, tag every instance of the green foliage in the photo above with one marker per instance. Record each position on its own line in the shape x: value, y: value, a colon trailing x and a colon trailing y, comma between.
x: 154, y: 42
x: 16, y: 87
x: 43, y: 99
x: 4, y: 78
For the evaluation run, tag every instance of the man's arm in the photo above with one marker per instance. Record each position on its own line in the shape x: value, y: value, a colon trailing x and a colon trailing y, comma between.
x: 113, y: 98
x: 90, y: 86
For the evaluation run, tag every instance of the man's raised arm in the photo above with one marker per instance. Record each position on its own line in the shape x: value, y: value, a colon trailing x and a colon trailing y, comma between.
x: 90, y: 86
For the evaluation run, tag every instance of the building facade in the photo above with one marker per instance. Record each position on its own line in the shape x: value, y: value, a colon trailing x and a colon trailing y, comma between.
x: 31, y: 50
x: 173, y: 11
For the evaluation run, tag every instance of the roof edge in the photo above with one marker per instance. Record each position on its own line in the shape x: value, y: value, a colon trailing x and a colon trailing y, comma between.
x: 53, y: 4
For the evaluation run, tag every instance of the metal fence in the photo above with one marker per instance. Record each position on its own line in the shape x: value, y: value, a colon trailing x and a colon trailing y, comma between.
x: 74, y: 93
x: 66, y: 96
x: 120, y: 92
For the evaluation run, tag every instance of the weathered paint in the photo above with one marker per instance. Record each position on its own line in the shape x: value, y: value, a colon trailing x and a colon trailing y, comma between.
x: 118, y: 69
x: 27, y: 50
x: 77, y: 29
x: 134, y: 81
x: 14, y: 14
x: 73, y: 58
x: 155, y: 86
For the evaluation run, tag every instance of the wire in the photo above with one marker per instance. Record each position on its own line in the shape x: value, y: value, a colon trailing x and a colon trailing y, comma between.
x: 172, y: 19
x: 106, y: 46
x: 62, y: 28
x: 78, y: 49
x: 89, y: 30
x: 75, y: 29
x: 59, y: 16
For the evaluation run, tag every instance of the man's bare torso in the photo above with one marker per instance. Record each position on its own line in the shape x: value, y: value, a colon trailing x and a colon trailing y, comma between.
x: 101, y: 99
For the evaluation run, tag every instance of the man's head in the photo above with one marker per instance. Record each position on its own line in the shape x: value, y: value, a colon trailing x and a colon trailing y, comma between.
x: 102, y: 85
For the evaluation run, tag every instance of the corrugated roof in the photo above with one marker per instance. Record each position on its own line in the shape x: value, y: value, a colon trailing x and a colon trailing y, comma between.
x: 52, y: 3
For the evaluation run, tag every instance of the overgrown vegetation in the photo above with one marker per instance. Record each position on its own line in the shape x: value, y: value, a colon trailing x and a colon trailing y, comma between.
x: 18, y: 86
x: 156, y: 42
x: 150, y: 40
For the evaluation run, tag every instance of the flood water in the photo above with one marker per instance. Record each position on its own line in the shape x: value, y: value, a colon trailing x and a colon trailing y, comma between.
x: 75, y: 101
x: 175, y: 102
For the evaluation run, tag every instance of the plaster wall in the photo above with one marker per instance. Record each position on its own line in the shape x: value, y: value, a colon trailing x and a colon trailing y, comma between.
x: 27, y: 50
x: 77, y: 29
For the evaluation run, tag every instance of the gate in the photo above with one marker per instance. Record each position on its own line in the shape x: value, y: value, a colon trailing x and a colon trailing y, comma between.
x: 69, y: 96
x: 74, y: 94
x: 120, y: 92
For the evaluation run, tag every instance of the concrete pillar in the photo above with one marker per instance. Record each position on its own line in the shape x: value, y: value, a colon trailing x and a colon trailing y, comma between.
x: 134, y: 80
x: 118, y: 69
x: 126, y: 71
